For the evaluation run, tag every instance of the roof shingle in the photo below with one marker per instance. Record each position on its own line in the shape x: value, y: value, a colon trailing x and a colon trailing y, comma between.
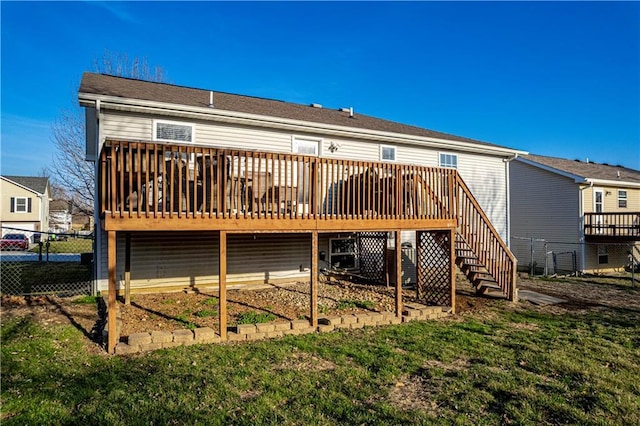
x: 588, y: 170
x: 37, y: 184
x: 99, y: 84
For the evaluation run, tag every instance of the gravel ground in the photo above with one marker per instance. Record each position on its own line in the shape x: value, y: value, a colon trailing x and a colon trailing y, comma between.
x: 171, y: 311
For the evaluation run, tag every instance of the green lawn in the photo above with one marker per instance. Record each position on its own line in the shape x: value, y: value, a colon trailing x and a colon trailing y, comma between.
x: 501, y: 366
x: 72, y: 245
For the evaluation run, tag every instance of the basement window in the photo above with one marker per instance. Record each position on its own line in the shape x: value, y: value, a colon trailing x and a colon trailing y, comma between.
x: 449, y: 161
x: 622, y: 199
x: 342, y: 254
x: 603, y: 255
x: 171, y: 131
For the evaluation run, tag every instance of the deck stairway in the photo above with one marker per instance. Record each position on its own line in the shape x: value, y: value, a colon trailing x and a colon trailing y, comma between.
x: 481, y: 254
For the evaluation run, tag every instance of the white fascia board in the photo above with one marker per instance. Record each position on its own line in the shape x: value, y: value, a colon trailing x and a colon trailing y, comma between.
x: 576, y: 178
x: 22, y: 186
x: 617, y: 183
x: 204, y: 113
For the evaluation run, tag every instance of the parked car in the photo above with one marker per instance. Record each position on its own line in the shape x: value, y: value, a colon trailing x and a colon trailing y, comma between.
x: 14, y: 242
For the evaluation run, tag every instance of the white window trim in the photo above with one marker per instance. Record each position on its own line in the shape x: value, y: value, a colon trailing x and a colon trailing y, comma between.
x: 296, y: 139
x: 441, y: 153
x: 395, y: 153
x: 626, y: 198
x: 179, y: 123
x: 26, y: 204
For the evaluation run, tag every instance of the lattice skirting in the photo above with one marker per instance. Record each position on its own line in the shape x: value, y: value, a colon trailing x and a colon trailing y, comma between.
x: 372, y: 247
x: 434, y: 257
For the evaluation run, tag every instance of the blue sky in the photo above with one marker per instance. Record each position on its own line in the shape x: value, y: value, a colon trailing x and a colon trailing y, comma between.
x: 552, y: 78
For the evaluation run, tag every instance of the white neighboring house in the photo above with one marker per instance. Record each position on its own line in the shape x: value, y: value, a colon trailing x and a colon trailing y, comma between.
x: 24, y: 204
x: 60, y: 218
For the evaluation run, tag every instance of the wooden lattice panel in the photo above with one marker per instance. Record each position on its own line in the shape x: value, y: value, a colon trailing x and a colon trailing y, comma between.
x: 434, y: 267
x: 371, y: 254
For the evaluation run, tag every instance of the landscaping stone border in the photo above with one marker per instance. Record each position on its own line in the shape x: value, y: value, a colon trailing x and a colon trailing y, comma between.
x: 144, y: 342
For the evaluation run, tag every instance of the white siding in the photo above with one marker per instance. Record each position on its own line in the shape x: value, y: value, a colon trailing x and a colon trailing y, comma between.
x: 544, y: 206
x: 484, y: 174
x: 175, y: 260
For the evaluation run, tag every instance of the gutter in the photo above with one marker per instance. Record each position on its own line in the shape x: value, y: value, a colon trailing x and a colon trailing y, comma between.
x: 232, y: 117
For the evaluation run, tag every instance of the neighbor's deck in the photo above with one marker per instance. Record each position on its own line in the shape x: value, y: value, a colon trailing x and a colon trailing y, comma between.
x: 158, y: 186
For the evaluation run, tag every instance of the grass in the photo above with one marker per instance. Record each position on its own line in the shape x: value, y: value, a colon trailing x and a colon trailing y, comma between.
x: 504, y: 366
x: 86, y: 299
x: 72, y: 245
x: 252, y: 317
x: 352, y: 304
x: 204, y: 313
x: 211, y: 301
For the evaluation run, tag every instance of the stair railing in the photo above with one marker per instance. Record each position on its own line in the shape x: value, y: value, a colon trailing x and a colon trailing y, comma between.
x: 485, y: 242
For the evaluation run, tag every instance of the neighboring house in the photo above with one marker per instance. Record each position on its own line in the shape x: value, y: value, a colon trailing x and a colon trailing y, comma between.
x: 574, y: 207
x: 24, y: 203
x: 196, y: 188
x: 60, y: 219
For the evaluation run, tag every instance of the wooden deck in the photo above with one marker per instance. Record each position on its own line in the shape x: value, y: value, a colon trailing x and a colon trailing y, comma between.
x: 146, y: 186
x: 612, y: 227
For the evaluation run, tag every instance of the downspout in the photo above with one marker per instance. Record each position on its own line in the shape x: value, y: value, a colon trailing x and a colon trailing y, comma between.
x: 583, y: 247
x: 508, y: 197
x: 97, y: 226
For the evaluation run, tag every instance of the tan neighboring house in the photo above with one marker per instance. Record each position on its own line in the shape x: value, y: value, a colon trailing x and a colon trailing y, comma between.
x: 24, y: 203
x: 590, y: 209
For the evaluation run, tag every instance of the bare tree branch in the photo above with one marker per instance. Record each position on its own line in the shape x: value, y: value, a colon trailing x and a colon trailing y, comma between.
x: 70, y: 173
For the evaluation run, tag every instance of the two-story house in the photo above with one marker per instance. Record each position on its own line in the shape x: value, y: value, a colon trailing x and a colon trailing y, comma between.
x: 24, y: 203
x: 577, y: 207
x: 199, y: 188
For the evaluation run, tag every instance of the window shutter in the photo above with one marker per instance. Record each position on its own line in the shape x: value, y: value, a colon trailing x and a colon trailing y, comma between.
x: 29, y: 205
x: 13, y: 204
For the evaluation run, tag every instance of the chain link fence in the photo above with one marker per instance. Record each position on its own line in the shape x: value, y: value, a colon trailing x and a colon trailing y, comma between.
x: 540, y: 257
x: 46, y: 263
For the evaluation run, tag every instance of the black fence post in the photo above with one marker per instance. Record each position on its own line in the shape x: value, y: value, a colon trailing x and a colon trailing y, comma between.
x: 40, y: 243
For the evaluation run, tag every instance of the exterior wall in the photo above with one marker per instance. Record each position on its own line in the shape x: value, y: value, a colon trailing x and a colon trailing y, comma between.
x: 618, y: 257
x: 190, y: 259
x: 611, y: 199
x: 484, y: 174
x: 39, y: 209
x: 544, y: 206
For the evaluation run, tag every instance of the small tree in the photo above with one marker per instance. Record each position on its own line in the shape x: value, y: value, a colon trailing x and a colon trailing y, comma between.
x: 70, y: 171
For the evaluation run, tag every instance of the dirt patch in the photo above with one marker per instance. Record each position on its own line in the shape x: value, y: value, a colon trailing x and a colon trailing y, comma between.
x: 172, y: 311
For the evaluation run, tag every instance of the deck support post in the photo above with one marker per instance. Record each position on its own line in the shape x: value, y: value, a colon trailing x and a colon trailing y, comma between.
x: 111, y: 307
x: 398, y: 242
x: 314, y: 280
x: 222, y: 284
x: 452, y: 265
x: 127, y: 269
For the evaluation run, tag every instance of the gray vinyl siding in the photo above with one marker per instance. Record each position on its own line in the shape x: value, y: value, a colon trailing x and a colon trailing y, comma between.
x: 544, y: 206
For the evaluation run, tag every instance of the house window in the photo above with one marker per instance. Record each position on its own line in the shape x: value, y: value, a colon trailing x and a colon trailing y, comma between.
x: 387, y: 153
x: 603, y: 255
x: 342, y: 253
x: 449, y: 160
x: 622, y: 199
x: 306, y: 146
x: 169, y: 131
x: 20, y: 205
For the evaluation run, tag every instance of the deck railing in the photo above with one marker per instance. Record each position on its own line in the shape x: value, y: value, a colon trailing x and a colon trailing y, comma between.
x: 145, y: 179
x: 620, y: 225
x: 485, y: 242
